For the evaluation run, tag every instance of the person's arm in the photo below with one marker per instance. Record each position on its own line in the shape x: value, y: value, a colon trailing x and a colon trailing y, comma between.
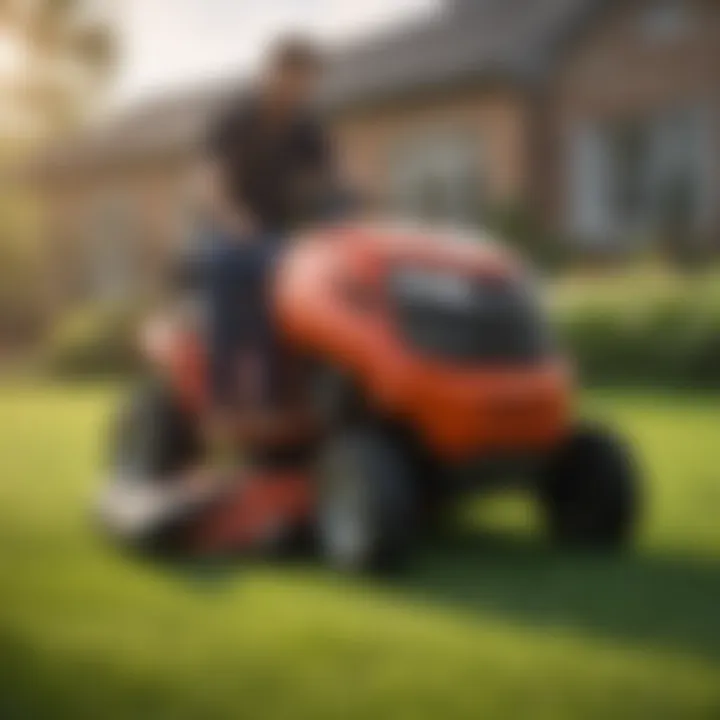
x: 226, y: 211
x: 313, y: 181
x: 334, y: 198
x: 321, y: 157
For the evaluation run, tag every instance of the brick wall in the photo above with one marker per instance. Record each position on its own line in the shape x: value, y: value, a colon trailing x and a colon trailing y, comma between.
x: 621, y: 69
x: 496, y: 119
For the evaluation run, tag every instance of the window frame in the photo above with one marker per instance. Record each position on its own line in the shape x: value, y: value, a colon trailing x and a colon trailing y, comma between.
x: 450, y: 156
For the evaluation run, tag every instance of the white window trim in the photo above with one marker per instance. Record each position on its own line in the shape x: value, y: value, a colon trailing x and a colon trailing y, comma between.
x: 689, y: 153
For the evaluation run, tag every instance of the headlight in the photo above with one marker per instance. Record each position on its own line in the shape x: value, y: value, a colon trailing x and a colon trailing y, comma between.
x: 438, y: 286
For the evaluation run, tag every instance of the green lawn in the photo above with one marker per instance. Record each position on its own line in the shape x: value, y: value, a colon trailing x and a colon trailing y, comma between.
x: 491, y: 625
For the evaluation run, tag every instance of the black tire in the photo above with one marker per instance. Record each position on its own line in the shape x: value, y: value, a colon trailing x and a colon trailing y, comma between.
x: 590, y: 491
x: 154, y: 439
x: 152, y: 442
x: 365, y: 503
x: 333, y: 395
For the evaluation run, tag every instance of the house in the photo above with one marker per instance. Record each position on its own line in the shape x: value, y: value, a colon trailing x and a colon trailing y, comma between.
x: 601, y: 118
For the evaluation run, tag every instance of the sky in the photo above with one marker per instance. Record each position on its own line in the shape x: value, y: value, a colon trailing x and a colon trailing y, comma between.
x: 173, y: 43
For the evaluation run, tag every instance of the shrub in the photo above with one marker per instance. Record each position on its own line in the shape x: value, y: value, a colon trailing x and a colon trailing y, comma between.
x: 632, y: 329
x: 650, y: 334
x: 24, y: 302
x: 96, y: 341
x: 513, y: 223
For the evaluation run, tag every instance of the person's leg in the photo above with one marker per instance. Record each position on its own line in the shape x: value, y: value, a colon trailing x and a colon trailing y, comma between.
x: 226, y: 269
x: 266, y: 345
x: 250, y: 366
x: 243, y: 340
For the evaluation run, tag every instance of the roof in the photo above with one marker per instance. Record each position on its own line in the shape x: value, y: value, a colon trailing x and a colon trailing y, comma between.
x: 468, y: 40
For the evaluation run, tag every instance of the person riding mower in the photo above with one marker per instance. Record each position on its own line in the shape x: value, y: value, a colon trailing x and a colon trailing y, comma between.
x: 426, y: 369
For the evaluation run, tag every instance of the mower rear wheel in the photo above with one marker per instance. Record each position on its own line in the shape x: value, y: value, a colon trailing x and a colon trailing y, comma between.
x: 590, y: 490
x: 153, y: 439
x: 365, y: 502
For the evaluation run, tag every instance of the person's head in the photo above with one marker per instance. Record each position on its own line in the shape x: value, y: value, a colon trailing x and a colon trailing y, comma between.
x: 292, y: 70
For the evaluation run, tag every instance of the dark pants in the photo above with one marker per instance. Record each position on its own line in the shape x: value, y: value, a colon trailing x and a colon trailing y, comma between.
x: 245, y: 355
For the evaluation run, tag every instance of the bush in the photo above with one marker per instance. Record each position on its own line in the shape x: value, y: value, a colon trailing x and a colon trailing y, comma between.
x: 24, y: 299
x: 644, y: 333
x: 97, y: 341
x: 514, y: 224
x: 633, y: 329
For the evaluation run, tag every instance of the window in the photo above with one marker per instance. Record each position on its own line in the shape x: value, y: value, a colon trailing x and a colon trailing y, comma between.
x: 635, y: 178
x: 435, y: 176
x: 665, y: 20
x: 680, y: 186
x: 629, y: 146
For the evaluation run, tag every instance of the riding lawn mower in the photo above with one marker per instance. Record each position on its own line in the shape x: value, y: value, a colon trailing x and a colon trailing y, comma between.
x: 428, y: 371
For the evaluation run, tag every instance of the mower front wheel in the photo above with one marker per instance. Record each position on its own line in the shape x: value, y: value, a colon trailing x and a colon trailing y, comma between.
x: 590, y: 490
x: 365, y: 503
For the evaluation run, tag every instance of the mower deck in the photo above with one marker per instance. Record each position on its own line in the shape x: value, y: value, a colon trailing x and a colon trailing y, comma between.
x: 252, y: 510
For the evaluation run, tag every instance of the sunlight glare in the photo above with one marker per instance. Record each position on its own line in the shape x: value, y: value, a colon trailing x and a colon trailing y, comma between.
x: 11, y: 57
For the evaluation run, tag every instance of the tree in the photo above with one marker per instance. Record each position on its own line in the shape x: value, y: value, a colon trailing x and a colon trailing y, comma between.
x: 56, y: 56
